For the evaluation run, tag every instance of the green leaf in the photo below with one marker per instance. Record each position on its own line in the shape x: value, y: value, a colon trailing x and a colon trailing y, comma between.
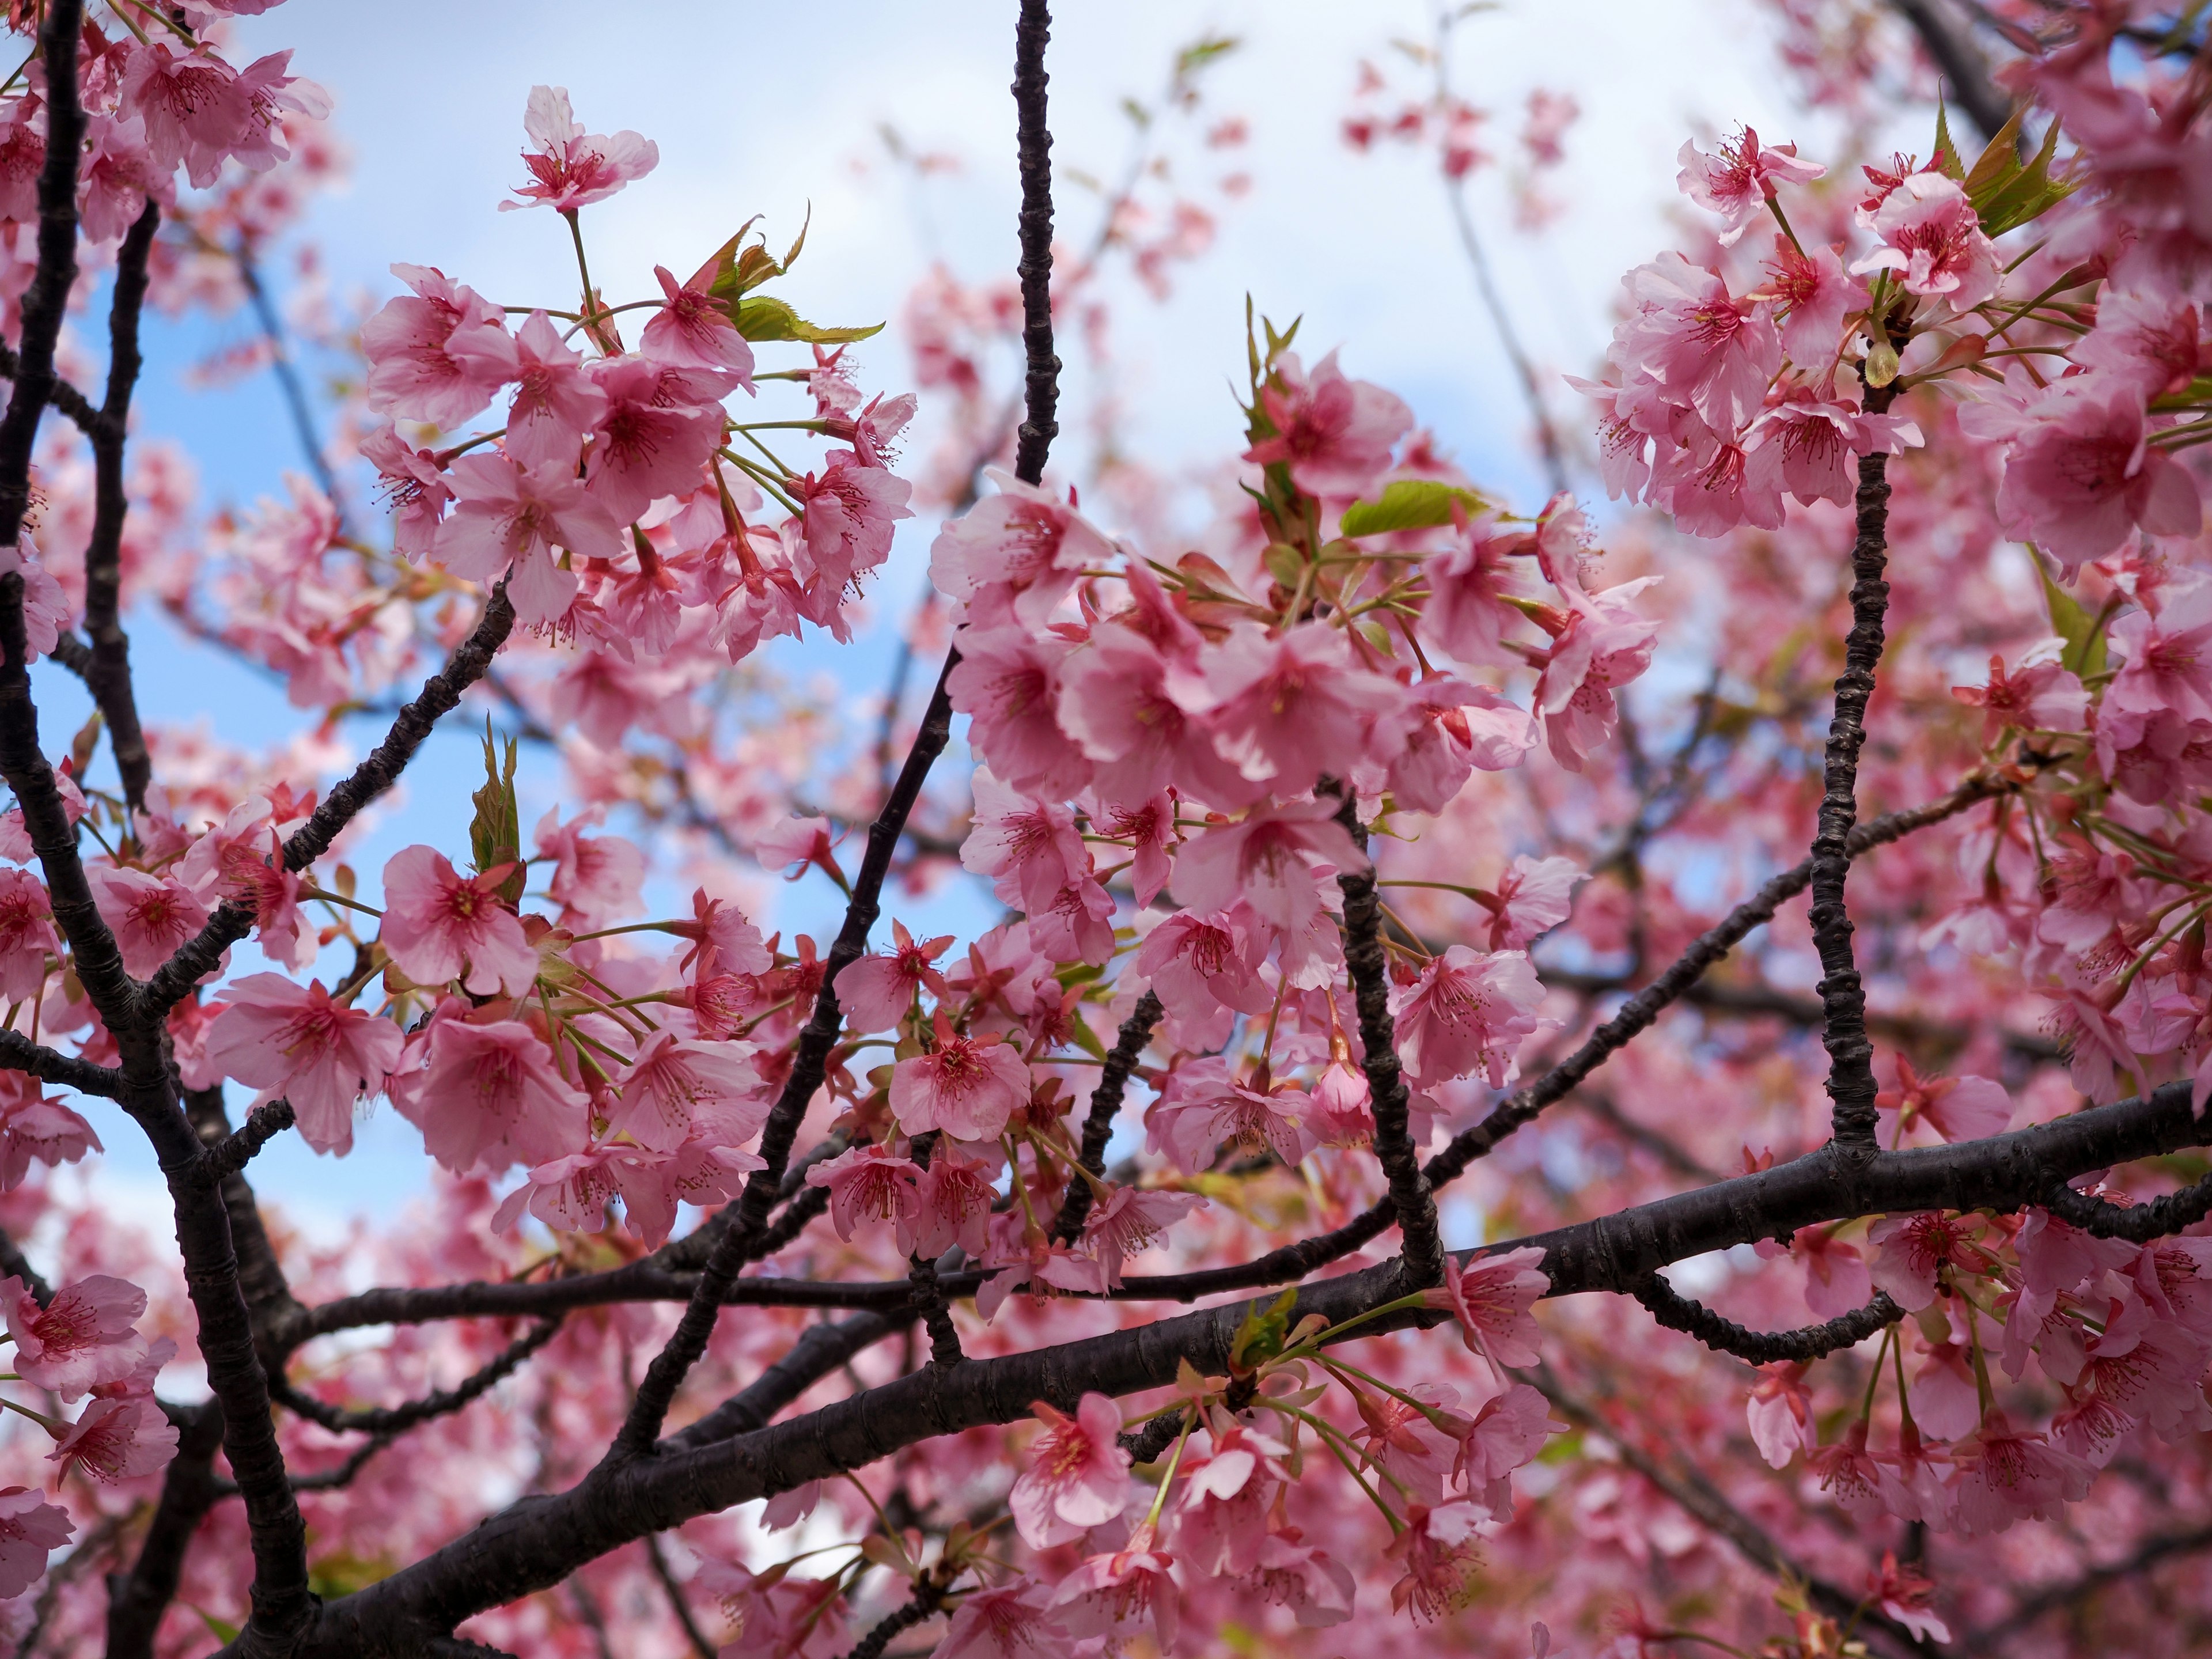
x: 762, y: 317
x: 224, y: 1631
x: 1259, y: 1338
x: 1201, y: 52
x: 1947, y: 147
x: 2007, y: 195
x: 2072, y: 622
x: 495, y: 833
x: 2000, y: 158
x: 1409, y: 504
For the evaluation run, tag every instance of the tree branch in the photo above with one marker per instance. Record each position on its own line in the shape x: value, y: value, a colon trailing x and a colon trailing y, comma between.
x: 1105, y: 1106
x: 19, y: 1054
x: 1678, y: 1313
x: 1960, y: 62
x: 388, y: 1420
x: 1033, y: 139
x: 234, y: 1152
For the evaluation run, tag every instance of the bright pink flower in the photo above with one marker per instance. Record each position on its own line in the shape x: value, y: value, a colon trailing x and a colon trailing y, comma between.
x: 1780, y: 1412
x: 1200, y: 964
x: 967, y: 1086
x: 1222, y: 1518
x: 1848, y: 1473
x: 1202, y: 1106
x: 28, y: 935
x: 595, y: 878
x: 1451, y: 727
x: 722, y: 940
x: 1130, y: 1221
x: 1505, y: 1434
x: 36, y: 1128
x: 2080, y: 475
x: 151, y: 915
x: 190, y: 105
x: 1439, y: 1555
x: 1291, y: 1573
x: 438, y: 926
x: 1006, y: 684
x: 1490, y: 1297
x: 1010, y: 1621
x: 953, y: 1202
x: 1284, y: 709
x: 1910, y: 1248
x: 868, y: 1183
x: 506, y: 516
x: 792, y: 844
x: 2168, y: 657
x: 1707, y: 483
x: 1468, y: 1012
x: 414, y: 485
x: 2004, y: 1476
x: 1149, y: 827
x: 2149, y: 340
x: 556, y: 404
x: 675, y: 1082
x: 1707, y: 350
x: 1113, y: 701
x: 571, y: 168
x: 1533, y: 897
x: 692, y: 330
x: 30, y: 1528
x: 1267, y: 859
x: 1934, y: 240
x: 1335, y: 435
x: 877, y: 992
x: 1605, y: 646
x: 1030, y: 849
x: 2041, y: 694
x: 1738, y: 180
x: 1078, y: 1477
x: 1019, y: 548
x: 438, y: 356
x: 294, y: 1041
x: 1956, y: 1108
x: 47, y: 609
x: 118, y: 1440
x: 1107, y: 1593
x: 489, y: 1098
x: 651, y: 441
x: 850, y: 508
x: 85, y: 1337
x: 1077, y: 926
x: 1816, y: 294
x: 1807, y: 445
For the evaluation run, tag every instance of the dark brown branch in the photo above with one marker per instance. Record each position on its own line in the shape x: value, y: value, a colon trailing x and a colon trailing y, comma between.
x: 12, y: 1261
x: 387, y: 1420
x: 1964, y: 69
x: 189, y: 1488
x: 19, y: 1054
x: 1413, y: 1203
x: 2053, y: 1597
x: 1843, y: 994
x: 924, y: 1605
x: 231, y: 920
x: 234, y: 1152
x: 65, y: 396
x: 1034, y: 141
x: 1678, y: 1313
x: 2138, y: 1223
x: 107, y: 675
x: 1105, y: 1106
x: 657, y: 1558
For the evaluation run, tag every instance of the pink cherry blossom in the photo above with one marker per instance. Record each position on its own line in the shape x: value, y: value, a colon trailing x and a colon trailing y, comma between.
x: 1934, y: 241
x: 1780, y: 1414
x: 27, y: 934
x: 1316, y: 1589
x: 1112, y: 700
x: 2040, y: 694
x: 571, y: 168
x: 1707, y: 350
x: 793, y: 843
x: 1005, y: 683
x: 118, y: 1440
x: 1491, y: 1298
x: 1452, y: 728
x: 438, y: 354
x: 595, y: 879
x: 650, y: 440
x: 722, y: 940
x: 1106, y: 1594
x: 692, y: 330
x: 1533, y: 896
x: 1199, y: 963
x: 1910, y: 1248
x: 37, y: 1128
x: 1738, y: 179
x: 1222, y: 1518
x: 438, y: 926
x: 414, y: 485
x: 868, y: 1183
x: 1130, y: 1221
x: 30, y: 1528
x: 1467, y: 1013
x: 488, y: 1097
x: 966, y: 1086
x: 1078, y: 1476
x: 1028, y: 847
x: 952, y: 1204
x: 1203, y: 1105
x: 1439, y: 1555
x: 1012, y: 1621
x: 2004, y: 1474
x: 1807, y: 445
x: 1504, y: 1434
x: 2168, y: 657
x: 1018, y: 549
x: 1267, y: 859
x: 556, y: 404
x: 1816, y: 294
x: 1606, y: 645
x: 674, y: 1082
x: 295, y: 1041
x: 1335, y: 434
x: 47, y: 609
x: 505, y: 516
x: 2151, y: 340
x: 151, y: 915
x: 1955, y: 1107
x: 1284, y: 709
x: 877, y: 992
x: 85, y: 1337
x: 850, y: 510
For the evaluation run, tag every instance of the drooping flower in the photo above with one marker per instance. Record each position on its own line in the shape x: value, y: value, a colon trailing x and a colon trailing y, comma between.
x: 440, y: 927
x: 1013, y: 1620
x: 489, y: 1098
x: 30, y: 1529
x: 1468, y: 1012
x: 1910, y: 1248
x: 1439, y: 1553
x: 674, y: 1082
x: 1490, y: 1297
x: 2040, y: 694
x: 868, y: 1183
x: 151, y: 915
x: 1606, y: 645
x: 1106, y: 1594
x: 1955, y: 1107
x: 1078, y: 1477
x: 27, y: 934
x: 1317, y: 1588
x: 295, y: 1041
x: 1779, y: 1412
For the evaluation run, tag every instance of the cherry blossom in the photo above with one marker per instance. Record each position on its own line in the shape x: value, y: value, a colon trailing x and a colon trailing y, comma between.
x: 1078, y: 1476
x: 571, y: 168
x: 1467, y: 1014
x: 1335, y: 434
x: 320, y: 1055
x: 966, y: 1087
x: 438, y: 926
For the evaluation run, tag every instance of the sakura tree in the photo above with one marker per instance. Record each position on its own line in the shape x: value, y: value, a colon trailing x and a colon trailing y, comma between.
x: 1387, y: 951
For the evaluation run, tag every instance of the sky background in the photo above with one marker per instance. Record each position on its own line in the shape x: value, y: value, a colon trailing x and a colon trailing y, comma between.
x: 768, y: 109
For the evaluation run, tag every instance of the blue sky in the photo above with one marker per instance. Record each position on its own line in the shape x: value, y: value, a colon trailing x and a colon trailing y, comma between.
x: 774, y: 109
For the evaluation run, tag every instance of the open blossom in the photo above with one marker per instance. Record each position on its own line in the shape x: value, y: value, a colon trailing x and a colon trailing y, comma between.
x: 850, y: 510
x: 1807, y: 445
x: 37, y: 1128
x: 1706, y: 348
x: 1955, y: 1107
x: 966, y: 1086
x: 118, y: 1440
x: 2039, y: 694
x: 1199, y: 963
x: 1335, y: 434
x: 653, y: 438
x: 1533, y: 897
x: 46, y: 610
x: 1606, y: 646
x: 953, y: 1200
x: 1910, y: 1248
x: 1013, y: 1620
x: 85, y: 1337
x: 1934, y: 241
x: 30, y: 1529
x: 295, y: 1041
x: 1739, y: 177
x: 1019, y: 548
x: 27, y: 934
x: 438, y: 354
x: 1284, y: 709
x: 2004, y: 1474
x: 151, y: 915
x: 1106, y: 1594
x: 1439, y: 1553
x: 1006, y: 684
x: 1030, y: 849
x: 439, y: 926
x: 1816, y: 294
x: 1078, y: 1477
x: 1289, y: 1573
x: 2168, y: 657
x: 1267, y: 860
x: 876, y: 992
x: 1222, y: 1518
x: 505, y: 516
x: 1490, y: 1297
x: 572, y: 168
x: 556, y: 404
x: 675, y: 1082
x: 868, y: 1183
x: 595, y: 878
x: 692, y: 330
x: 1467, y: 1013
x: 488, y: 1097
x: 1203, y: 1105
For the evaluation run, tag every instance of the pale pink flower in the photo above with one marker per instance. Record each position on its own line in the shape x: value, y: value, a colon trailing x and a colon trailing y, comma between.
x: 37, y: 1128
x: 1452, y: 728
x: 1907, y: 1595
x: 1202, y: 964
x: 1107, y: 1593
x: 595, y: 878
x: 1706, y: 348
x: 85, y: 1337
x: 151, y: 915
x: 294, y: 1041
x: 489, y: 1098
x: 506, y: 516
x: 1020, y: 548
x: 1283, y: 709
x: 1606, y: 646
x: 1006, y: 683
x: 1467, y: 1013
x: 652, y: 440
x: 1848, y: 1473
x: 1149, y: 827
x: 2041, y: 694
x: 556, y: 404
x: 781, y: 1617
x: 1130, y: 1221
x: 877, y: 992
x: 413, y: 483
x: 1439, y: 1554
x: 190, y: 105
x: 1113, y: 701
x: 1533, y: 897
x: 1077, y: 925
x: 1935, y: 241
x: 118, y: 1440
x: 1836, y: 1276
x: 1202, y: 1105
x: 1490, y: 1297
x: 1268, y: 859
x: 1780, y: 1414
x: 1707, y: 483
x: 692, y: 330
x: 1078, y: 1476
x: 1030, y: 849
x: 1335, y: 435
x: 1910, y: 1248
x: 966, y: 1086
x: 1808, y: 445
x: 953, y: 1204
x: 1816, y: 294
x: 1291, y: 1573
x: 1945, y: 1401
x: 1222, y: 1517
x: 791, y: 844
x: 722, y: 940
x: 1504, y: 1434
x: 2168, y: 657
x: 675, y: 1081
x: 868, y: 1183
x: 30, y: 1528
x: 571, y: 168
x: 850, y: 510
x: 1738, y: 180
x: 438, y: 354
x: 27, y: 934
x: 1955, y: 1107
x: 1010, y: 1621
x: 2149, y: 340
x: 440, y: 927
x: 47, y: 610
x: 2004, y: 1476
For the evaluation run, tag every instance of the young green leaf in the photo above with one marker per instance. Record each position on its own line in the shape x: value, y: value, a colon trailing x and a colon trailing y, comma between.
x: 1409, y: 504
